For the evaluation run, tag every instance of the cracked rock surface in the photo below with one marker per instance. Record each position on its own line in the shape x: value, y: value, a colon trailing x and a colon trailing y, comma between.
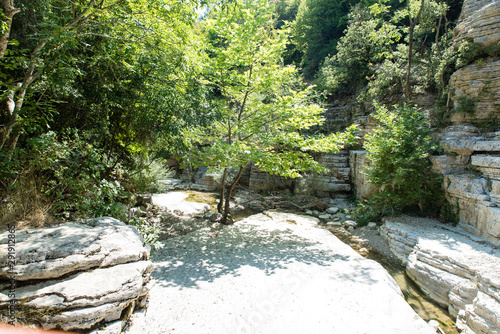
x: 271, y: 273
x: 46, y: 253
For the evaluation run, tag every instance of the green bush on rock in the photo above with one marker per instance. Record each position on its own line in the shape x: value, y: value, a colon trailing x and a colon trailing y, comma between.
x: 399, y: 153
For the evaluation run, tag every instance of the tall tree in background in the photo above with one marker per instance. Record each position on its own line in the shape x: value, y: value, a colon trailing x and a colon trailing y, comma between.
x: 263, y: 106
x: 413, y: 23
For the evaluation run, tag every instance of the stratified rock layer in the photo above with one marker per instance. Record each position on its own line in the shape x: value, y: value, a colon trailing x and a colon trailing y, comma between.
x: 478, y: 82
x: 454, y: 268
x: 479, y: 22
x: 471, y: 171
x: 77, y: 275
x: 53, y: 252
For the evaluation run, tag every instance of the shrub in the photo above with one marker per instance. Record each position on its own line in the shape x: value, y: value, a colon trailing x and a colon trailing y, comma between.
x: 66, y: 175
x: 399, y: 154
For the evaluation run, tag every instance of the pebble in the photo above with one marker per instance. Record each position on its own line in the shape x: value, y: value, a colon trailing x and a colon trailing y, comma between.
x: 351, y: 223
x: 332, y: 210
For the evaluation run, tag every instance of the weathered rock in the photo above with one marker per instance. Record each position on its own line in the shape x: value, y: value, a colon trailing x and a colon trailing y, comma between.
x: 83, y: 300
x: 351, y: 223
x: 52, y: 252
x: 480, y: 83
x: 205, y: 181
x: 324, y: 217
x: 478, y: 210
x: 358, y: 161
x: 479, y: 22
x: 475, y: 196
x: 332, y: 210
x: 334, y: 181
x: 456, y: 269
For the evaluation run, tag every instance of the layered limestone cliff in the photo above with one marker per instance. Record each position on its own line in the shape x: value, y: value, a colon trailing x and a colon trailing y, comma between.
x: 454, y: 268
x: 471, y: 163
x: 471, y: 171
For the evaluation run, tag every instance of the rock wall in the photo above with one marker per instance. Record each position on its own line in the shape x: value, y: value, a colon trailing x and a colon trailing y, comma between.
x: 76, y: 276
x: 335, y: 181
x: 454, y: 268
x: 478, y: 83
x: 358, y: 161
x: 479, y: 22
x: 471, y: 163
x: 471, y: 171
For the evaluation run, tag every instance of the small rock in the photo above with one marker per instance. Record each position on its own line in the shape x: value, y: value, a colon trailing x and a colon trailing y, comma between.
x: 315, y: 212
x: 324, y: 217
x: 372, y: 225
x: 350, y: 228
x: 309, y: 212
x: 335, y: 224
x: 351, y: 223
x: 336, y: 218
x: 362, y: 250
x: 349, y: 216
x: 332, y: 210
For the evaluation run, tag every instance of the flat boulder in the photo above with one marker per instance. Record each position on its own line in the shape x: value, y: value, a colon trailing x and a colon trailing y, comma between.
x: 46, y: 253
x: 176, y: 203
x: 458, y: 270
x: 271, y: 273
x: 84, y: 299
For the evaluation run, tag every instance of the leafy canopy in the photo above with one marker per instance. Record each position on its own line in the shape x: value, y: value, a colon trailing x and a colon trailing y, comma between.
x: 264, y: 108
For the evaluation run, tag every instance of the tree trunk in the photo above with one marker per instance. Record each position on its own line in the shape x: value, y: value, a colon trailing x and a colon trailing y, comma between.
x: 226, y: 218
x: 413, y: 23
x: 9, y: 11
x: 222, y: 188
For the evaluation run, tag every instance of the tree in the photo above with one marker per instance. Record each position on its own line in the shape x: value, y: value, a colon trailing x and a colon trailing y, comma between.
x: 60, y: 41
x: 399, y: 161
x: 6, y: 15
x: 264, y: 108
x: 367, y: 41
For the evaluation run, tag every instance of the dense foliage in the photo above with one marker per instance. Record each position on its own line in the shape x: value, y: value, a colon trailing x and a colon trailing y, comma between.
x: 97, y: 94
x: 399, y: 162
x: 122, y: 73
x: 262, y: 104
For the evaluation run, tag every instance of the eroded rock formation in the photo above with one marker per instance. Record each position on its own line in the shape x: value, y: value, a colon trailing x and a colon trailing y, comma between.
x: 77, y: 275
x: 456, y: 269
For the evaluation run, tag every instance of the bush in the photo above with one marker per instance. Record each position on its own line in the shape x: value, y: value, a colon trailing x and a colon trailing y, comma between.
x: 66, y: 175
x: 399, y: 153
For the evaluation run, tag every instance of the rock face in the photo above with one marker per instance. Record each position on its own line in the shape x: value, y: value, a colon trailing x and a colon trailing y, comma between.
x: 453, y: 267
x: 79, y: 274
x: 358, y: 161
x: 53, y: 252
x: 471, y: 173
x: 479, y: 22
x: 478, y: 82
x: 471, y: 166
x: 336, y: 180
